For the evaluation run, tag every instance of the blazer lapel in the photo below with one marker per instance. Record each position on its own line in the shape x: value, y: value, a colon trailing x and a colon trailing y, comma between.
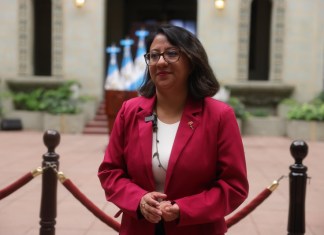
x: 189, y: 122
x: 145, y: 130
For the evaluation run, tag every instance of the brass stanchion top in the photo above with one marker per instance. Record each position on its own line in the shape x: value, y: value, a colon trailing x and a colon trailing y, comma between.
x: 61, y: 176
x: 275, y: 183
x: 273, y: 186
x: 37, y: 171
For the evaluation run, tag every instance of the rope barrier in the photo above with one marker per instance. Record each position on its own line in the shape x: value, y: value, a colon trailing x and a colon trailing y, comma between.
x: 20, y: 182
x: 87, y: 203
x: 68, y: 184
x: 253, y: 204
x: 116, y: 225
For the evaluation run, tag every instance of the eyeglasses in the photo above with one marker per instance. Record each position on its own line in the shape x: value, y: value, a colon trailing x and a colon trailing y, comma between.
x: 170, y: 56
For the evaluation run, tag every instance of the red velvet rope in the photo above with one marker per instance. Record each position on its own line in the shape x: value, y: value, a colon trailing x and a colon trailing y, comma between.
x: 116, y: 226
x: 248, y: 208
x: 90, y: 206
x: 16, y: 185
x: 110, y: 221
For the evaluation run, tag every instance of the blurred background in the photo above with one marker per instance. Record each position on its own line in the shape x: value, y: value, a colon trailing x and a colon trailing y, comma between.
x: 264, y: 52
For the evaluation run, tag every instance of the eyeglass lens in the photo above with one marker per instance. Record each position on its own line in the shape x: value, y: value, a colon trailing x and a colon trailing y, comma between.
x: 170, y: 56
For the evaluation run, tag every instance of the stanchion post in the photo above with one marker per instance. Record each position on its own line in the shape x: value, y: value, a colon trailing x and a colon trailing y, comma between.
x: 50, y: 164
x: 297, y: 189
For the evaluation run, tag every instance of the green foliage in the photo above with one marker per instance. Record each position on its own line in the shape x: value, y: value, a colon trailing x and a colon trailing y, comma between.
x: 307, y: 112
x: 260, y: 112
x: 320, y: 96
x: 29, y: 100
x: 289, y: 102
x: 1, y: 109
x: 239, y: 108
x: 61, y: 100
x: 319, y: 99
x: 311, y: 111
x: 55, y: 101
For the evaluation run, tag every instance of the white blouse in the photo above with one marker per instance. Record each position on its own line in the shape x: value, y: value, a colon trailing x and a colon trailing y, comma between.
x: 165, y: 136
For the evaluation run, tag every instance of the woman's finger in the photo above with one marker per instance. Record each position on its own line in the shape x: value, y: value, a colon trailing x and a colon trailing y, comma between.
x: 152, y: 213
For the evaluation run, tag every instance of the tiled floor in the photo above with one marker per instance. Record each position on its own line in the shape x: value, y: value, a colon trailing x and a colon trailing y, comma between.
x: 268, y: 158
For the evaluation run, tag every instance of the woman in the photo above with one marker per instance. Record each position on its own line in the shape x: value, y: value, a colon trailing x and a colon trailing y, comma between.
x: 175, y: 161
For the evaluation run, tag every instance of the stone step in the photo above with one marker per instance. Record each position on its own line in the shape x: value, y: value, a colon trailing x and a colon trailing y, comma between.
x: 100, y: 117
x: 97, y: 123
x: 101, y: 109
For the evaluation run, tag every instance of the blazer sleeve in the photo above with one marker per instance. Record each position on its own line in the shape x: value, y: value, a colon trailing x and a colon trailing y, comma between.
x: 112, y: 173
x: 230, y: 187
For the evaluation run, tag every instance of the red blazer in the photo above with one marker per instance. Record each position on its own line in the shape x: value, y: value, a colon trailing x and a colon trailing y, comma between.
x: 206, y: 175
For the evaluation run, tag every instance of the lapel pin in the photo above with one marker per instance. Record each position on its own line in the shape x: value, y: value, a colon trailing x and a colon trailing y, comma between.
x: 190, y: 124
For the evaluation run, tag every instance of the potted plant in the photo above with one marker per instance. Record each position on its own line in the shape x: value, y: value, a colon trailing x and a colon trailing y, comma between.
x: 306, y: 121
x: 63, y: 109
x: 28, y: 107
x: 56, y: 108
x: 285, y: 106
x: 262, y: 122
x: 239, y: 109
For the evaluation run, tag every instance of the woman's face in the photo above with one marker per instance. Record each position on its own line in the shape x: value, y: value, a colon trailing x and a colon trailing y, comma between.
x: 168, y: 76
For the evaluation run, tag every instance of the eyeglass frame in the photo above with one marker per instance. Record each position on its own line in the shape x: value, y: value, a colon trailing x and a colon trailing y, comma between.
x: 162, y: 54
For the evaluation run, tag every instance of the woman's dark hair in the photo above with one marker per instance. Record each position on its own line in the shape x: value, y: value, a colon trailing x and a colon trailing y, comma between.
x: 202, y: 81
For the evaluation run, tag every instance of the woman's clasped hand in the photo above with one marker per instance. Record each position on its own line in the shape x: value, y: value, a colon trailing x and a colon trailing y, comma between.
x: 154, y: 208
